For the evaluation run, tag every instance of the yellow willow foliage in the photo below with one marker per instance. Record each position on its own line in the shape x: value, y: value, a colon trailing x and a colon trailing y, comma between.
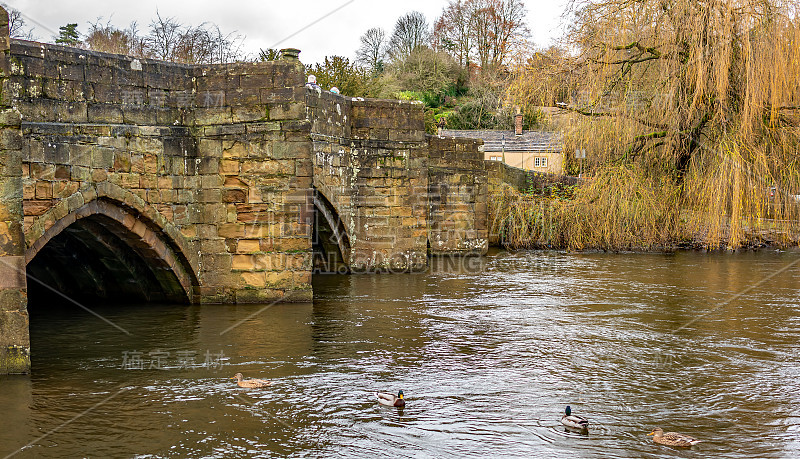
x: 717, y: 67
x: 704, y: 94
x: 731, y: 198
x: 523, y: 221
x: 620, y: 209
x: 624, y: 209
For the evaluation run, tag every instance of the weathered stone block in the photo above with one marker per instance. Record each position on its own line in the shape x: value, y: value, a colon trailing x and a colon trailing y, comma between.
x: 267, y: 167
x: 10, y: 117
x: 234, y: 195
x: 253, y: 280
x: 259, y: 127
x: 289, y: 111
x: 105, y: 113
x: 102, y: 158
x: 249, y: 113
x: 211, y: 116
x: 210, y: 148
x: 291, y: 150
x: 263, y: 295
x: 279, y: 280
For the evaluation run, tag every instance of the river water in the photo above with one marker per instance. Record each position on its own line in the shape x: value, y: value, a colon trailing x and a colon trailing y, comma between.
x: 488, y: 352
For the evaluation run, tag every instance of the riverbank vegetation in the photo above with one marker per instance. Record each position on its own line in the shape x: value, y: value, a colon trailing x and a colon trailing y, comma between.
x: 459, y: 65
x: 690, y: 112
x: 619, y: 210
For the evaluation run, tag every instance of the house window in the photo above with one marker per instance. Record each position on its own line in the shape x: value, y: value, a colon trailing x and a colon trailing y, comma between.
x: 536, y: 162
x: 496, y: 158
x: 539, y: 162
x: 544, y: 162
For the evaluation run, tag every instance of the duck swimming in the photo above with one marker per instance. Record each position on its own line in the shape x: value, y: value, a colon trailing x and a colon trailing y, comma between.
x: 572, y: 421
x: 250, y: 383
x: 385, y: 398
x: 672, y: 438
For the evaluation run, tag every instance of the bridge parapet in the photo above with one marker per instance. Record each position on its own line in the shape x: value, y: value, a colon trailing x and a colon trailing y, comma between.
x: 372, y: 167
x: 253, y: 131
x: 220, y: 154
x: 401, y: 194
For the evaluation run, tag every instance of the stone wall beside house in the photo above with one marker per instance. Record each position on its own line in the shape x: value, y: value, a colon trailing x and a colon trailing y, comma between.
x: 539, y: 151
x: 523, y: 180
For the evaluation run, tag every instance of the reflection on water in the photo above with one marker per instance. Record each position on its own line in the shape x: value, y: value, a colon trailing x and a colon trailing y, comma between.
x: 488, y: 354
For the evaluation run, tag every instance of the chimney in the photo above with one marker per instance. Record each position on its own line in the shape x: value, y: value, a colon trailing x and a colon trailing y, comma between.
x: 518, y: 122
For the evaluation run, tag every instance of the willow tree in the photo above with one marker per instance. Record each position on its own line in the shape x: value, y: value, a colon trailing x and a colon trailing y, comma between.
x: 703, y: 92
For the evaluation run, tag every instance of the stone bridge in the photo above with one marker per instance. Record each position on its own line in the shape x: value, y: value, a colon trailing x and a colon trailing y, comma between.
x: 152, y: 181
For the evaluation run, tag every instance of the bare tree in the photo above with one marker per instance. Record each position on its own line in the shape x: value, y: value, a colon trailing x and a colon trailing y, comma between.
x: 139, y: 47
x: 16, y: 26
x: 203, y: 44
x: 164, y: 38
x: 207, y: 44
x: 193, y: 46
x: 372, y: 51
x: 509, y: 28
x: 224, y: 47
x: 410, y: 32
x: 497, y: 27
x: 452, y: 32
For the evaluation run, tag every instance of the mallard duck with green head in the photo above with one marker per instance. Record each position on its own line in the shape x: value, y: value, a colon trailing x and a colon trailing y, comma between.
x: 672, y: 438
x: 385, y: 398
x: 573, y: 421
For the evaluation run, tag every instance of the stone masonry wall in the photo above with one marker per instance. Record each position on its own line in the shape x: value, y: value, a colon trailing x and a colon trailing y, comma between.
x: 218, y: 156
x: 457, y: 194
x: 397, y: 190
x: 14, y: 336
x: 256, y: 133
x: 370, y: 161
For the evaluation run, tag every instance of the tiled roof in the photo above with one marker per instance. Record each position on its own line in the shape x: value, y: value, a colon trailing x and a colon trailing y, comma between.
x: 528, y: 141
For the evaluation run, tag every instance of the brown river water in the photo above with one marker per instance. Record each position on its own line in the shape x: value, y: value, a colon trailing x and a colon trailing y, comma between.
x: 488, y: 353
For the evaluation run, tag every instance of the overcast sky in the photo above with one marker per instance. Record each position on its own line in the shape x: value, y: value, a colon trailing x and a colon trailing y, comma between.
x: 267, y: 23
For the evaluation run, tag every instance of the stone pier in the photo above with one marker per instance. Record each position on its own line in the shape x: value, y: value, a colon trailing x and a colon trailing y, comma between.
x: 14, y: 338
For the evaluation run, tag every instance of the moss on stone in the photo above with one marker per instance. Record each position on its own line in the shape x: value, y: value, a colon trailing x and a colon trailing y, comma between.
x: 15, y: 360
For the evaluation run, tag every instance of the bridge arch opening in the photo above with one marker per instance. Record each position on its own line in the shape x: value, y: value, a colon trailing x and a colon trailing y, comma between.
x: 330, y: 242
x: 104, y: 251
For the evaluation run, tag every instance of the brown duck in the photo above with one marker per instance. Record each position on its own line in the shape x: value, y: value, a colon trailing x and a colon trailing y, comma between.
x: 250, y: 383
x: 672, y: 438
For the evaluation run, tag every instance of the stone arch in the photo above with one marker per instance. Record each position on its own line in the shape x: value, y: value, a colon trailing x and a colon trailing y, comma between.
x: 339, y: 235
x: 123, y: 216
